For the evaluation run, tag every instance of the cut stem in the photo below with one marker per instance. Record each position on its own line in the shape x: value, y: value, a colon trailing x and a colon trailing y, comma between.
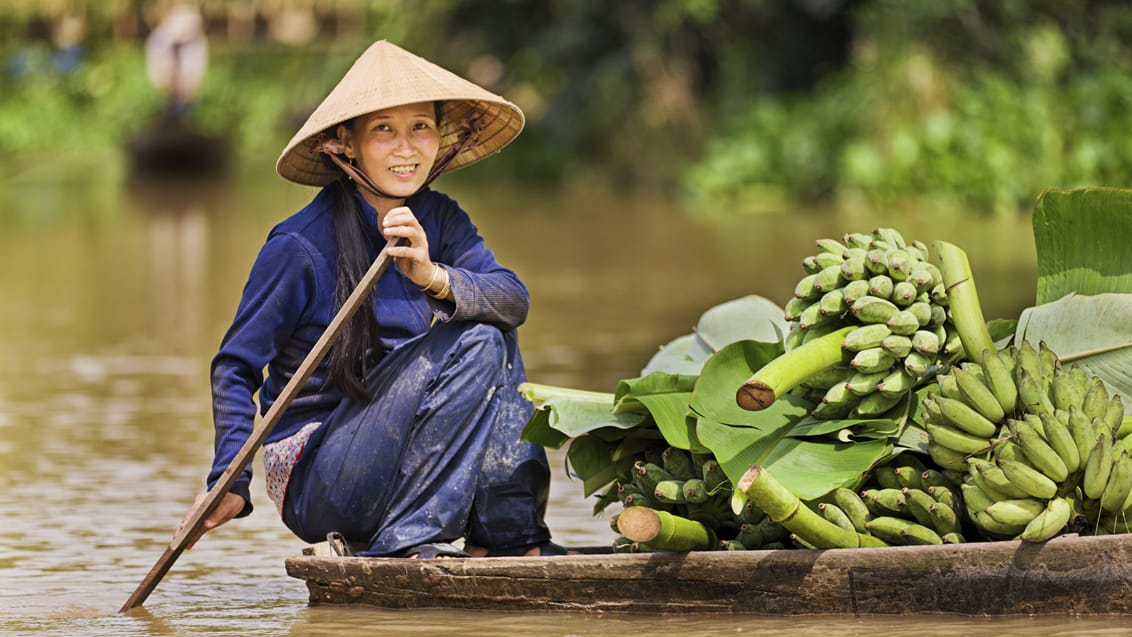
x: 662, y: 530
x: 792, y: 369
x: 783, y: 507
x: 963, y: 300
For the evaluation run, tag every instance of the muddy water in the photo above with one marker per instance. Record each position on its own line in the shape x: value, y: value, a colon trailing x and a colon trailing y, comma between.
x: 114, y: 298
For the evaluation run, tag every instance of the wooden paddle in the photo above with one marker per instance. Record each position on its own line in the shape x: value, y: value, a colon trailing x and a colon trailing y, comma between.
x: 259, y: 434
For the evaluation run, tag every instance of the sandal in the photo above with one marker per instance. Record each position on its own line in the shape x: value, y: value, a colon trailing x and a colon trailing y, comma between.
x: 432, y: 550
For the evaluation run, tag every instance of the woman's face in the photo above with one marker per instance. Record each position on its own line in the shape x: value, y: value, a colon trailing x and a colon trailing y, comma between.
x: 396, y: 147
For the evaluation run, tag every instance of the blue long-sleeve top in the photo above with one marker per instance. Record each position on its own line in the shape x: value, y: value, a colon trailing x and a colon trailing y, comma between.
x: 289, y: 300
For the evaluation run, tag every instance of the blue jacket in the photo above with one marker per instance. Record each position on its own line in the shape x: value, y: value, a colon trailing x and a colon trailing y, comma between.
x: 288, y: 302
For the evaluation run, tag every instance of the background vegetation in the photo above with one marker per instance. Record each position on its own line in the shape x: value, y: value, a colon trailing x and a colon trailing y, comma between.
x: 747, y: 104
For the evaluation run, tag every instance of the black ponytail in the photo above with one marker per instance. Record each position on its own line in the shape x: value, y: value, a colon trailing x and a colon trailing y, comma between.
x: 350, y: 356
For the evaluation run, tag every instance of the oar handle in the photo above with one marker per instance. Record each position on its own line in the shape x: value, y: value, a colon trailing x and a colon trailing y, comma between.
x: 224, y: 484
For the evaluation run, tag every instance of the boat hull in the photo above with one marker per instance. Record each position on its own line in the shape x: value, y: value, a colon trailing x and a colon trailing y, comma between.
x: 1069, y: 575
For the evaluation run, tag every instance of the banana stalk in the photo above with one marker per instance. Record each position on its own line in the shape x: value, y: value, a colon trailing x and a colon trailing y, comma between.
x: 963, y: 299
x: 663, y: 531
x: 792, y: 368
x: 784, y: 508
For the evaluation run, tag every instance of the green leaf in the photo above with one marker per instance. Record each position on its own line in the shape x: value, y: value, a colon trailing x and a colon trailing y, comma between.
x: 1082, y: 239
x: 665, y: 396
x: 746, y: 318
x: 809, y: 469
x: 1093, y: 332
x: 572, y: 412
x: 723, y: 375
x: 591, y: 459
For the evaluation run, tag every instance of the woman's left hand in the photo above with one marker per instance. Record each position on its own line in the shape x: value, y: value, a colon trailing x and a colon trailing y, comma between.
x: 411, y: 259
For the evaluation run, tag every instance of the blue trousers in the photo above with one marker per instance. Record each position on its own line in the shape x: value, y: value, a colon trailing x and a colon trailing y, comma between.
x: 433, y: 457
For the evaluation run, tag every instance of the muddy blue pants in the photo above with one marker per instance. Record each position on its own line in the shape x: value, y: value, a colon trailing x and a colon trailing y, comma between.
x: 434, y: 456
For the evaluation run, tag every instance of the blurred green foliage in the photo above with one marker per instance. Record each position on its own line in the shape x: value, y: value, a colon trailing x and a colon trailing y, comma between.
x: 980, y: 102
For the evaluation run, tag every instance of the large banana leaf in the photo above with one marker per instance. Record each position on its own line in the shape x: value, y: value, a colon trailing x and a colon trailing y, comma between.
x: 1084, y: 297
x: 563, y: 413
x: 781, y: 437
x: 750, y: 317
x: 1082, y: 240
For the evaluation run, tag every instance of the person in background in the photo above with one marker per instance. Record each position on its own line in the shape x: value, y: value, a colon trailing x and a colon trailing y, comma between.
x: 176, y: 57
x: 405, y: 440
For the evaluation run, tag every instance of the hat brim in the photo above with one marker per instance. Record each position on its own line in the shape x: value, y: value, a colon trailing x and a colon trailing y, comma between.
x: 385, y: 76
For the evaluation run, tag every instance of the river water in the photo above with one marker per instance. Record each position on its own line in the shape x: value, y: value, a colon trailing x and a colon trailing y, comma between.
x: 115, y: 297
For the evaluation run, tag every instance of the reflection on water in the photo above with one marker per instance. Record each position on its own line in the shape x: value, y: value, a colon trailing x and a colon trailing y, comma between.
x: 116, y: 299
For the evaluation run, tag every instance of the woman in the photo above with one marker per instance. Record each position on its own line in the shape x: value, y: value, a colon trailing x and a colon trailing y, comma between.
x: 406, y: 438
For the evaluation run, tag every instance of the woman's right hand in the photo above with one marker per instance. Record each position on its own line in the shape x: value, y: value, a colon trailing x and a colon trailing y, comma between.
x: 230, y: 506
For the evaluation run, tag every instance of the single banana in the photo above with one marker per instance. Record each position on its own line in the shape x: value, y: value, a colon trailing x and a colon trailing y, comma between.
x: 1096, y: 399
x: 919, y: 505
x: 1119, y: 483
x: 897, y: 345
x: 1049, y: 362
x: 1057, y: 433
x: 1040, y: 454
x: 854, y: 507
x: 1028, y: 479
x: 885, y: 476
x: 865, y: 384
x: 1065, y: 393
x: 903, y: 323
x: 854, y: 269
x: 876, y: 404
x: 1016, y: 512
x: 832, y: 303
x: 1049, y: 522
x: 925, y: 342
x: 999, y: 380
x: 1026, y: 362
x: 854, y: 290
x: 948, y: 459
x: 962, y: 416
x: 1084, y: 436
x: 828, y: 279
x: 900, y: 264
x: 991, y: 475
x: 944, y: 495
x: 834, y: 514
x: 975, y: 498
x: 909, y: 477
x: 945, y: 520
x: 899, y: 531
x: 881, y: 286
x: 831, y: 246
x: 897, y: 383
x: 873, y: 309
x: 922, y: 310
x: 857, y: 240
x: 804, y: 289
x: 1032, y: 394
x: 978, y: 394
x: 872, y: 360
x: 884, y: 501
x: 1098, y: 467
x: 1114, y: 415
x: 891, y: 236
x: 917, y: 364
x: 865, y: 337
x: 956, y: 439
x: 904, y: 293
x: 995, y: 528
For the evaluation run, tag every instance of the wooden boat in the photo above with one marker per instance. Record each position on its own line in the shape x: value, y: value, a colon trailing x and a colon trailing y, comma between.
x: 1069, y: 575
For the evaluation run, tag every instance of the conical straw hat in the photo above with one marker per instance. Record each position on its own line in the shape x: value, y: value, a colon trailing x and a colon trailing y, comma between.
x: 384, y: 76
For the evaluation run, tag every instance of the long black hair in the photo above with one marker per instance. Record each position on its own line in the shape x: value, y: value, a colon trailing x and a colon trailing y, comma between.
x: 351, y: 356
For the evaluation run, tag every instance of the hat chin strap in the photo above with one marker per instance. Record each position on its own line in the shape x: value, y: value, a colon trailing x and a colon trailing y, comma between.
x: 333, y: 148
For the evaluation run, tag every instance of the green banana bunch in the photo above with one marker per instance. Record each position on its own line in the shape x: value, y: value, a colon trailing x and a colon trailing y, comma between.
x: 903, y: 503
x: 1037, y: 442
x: 692, y: 486
x: 887, y: 287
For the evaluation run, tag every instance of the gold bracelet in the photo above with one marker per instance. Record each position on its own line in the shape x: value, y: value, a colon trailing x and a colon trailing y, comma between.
x: 444, y: 290
x: 435, y: 273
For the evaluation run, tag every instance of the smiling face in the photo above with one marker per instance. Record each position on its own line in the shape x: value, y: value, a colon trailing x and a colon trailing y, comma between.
x: 396, y: 147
